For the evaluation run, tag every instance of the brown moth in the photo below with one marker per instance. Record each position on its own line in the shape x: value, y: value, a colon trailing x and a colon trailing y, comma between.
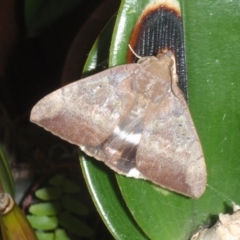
x: 135, y: 119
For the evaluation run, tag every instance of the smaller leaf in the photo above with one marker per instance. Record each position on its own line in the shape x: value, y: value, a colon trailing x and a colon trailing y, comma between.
x: 49, y: 193
x: 74, y: 206
x: 60, y: 234
x: 57, y: 180
x: 43, y: 222
x: 70, y: 187
x: 75, y: 225
x: 48, y: 209
x: 45, y: 236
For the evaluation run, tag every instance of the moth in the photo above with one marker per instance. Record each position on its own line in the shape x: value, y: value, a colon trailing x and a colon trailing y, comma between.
x: 135, y: 119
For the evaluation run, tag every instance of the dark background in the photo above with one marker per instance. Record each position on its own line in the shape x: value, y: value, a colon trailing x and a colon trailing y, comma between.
x: 31, y: 66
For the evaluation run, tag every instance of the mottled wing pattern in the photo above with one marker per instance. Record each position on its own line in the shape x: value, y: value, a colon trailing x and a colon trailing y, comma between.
x: 169, y: 153
x: 86, y: 112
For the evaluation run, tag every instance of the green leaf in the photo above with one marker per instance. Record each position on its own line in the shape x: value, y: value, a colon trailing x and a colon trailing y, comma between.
x: 42, y: 222
x: 75, y: 225
x: 70, y: 187
x: 61, y: 181
x: 45, y: 236
x: 49, y: 193
x: 128, y: 14
x: 48, y: 208
x: 212, y: 40
x: 60, y: 234
x: 73, y: 205
x: 57, y: 180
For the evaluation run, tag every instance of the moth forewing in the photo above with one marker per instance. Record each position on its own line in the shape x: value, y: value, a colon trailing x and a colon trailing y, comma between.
x: 135, y: 119
x: 86, y: 112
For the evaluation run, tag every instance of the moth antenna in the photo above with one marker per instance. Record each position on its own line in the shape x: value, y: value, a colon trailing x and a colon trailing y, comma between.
x: 136, y: 55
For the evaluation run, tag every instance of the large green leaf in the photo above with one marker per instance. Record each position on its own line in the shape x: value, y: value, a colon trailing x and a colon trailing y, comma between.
x: 211, y: 37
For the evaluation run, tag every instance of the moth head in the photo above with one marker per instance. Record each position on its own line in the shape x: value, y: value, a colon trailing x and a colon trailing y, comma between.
x: 163, y: 55
x: 146, y: 59
x: 167, y: 57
